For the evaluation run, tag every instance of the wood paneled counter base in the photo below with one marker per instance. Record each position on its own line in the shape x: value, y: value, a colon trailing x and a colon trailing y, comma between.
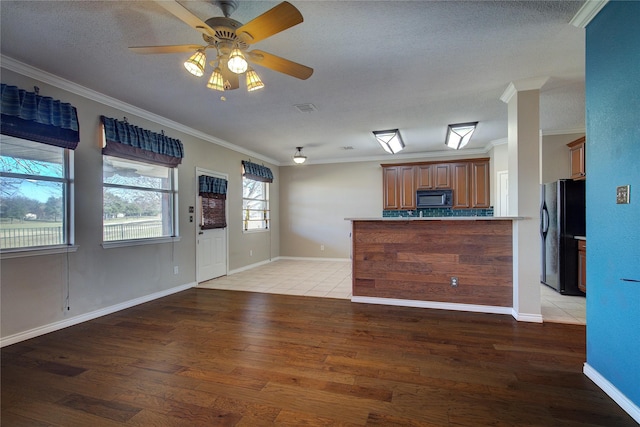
x: 414, y: 260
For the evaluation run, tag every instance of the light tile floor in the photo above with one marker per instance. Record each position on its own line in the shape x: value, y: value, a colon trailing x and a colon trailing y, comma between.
x: 329, y: 279
x: 332, y: 279
x: 560, y: 308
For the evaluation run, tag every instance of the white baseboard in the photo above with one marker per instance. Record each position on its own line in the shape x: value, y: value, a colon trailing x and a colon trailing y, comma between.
x: 310, y: 258
x: 433, y: 304
x: 258, y: 264
x: 526, y: 317
x: 250, y: 266
x: 55, y: 326
x: 623, y: 401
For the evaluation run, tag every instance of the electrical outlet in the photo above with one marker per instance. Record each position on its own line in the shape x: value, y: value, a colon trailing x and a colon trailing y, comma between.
x: 454, y: 282
x: 322, y: 247
x: 622, y: 195
x: 176, y: 270
x: 250, y: 252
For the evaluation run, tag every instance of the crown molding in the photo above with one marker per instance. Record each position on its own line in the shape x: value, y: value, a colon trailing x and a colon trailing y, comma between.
x: 587, y: 12
x: 563, y: 132
x: 534, y: 83
x: 61, y: 83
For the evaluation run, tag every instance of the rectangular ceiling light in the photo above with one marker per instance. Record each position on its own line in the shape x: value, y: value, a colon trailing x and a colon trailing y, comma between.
x: 458, y: 135
x: 390, y: 140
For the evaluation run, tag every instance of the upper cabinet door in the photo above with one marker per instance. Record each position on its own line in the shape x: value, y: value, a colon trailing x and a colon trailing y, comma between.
x: 442, y: 176
x: 424, y: 177
x: 480, y: 184
x: 390, y: 183
x: 577, y: 156
x: 460, y: 173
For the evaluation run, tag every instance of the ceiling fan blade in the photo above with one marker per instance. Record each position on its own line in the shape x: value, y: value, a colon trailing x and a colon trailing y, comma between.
x: 229, y: 76
x: 282, y: 65
x: 277, y: 19
x: 179, y: 48
x: 186, y: 16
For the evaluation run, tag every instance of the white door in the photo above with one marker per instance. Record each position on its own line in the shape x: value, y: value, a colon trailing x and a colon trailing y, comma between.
x: 212, y: 254
x: 211, y: 245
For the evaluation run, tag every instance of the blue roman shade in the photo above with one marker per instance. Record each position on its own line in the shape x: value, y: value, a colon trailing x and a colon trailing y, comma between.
x: 131, y: 142
x: 212, y: 185
x: 256, y: 172
x: 28, y: 115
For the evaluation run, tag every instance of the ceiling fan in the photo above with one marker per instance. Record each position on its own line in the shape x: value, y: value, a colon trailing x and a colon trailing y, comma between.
x: 231, y: 40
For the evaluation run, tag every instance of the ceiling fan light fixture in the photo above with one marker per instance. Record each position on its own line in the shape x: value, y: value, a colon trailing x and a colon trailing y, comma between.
x: 253, y: 80
x: 459, y: 134
x: 237, y: 64
x: 195, y: 63
x: 216, y: 82
x: 390, y: 140
x: 298, y: 157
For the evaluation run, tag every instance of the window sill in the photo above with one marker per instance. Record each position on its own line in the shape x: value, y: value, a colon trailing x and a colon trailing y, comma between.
x: 262, y: 230
x: 140, y: 242
x: 42, y: 250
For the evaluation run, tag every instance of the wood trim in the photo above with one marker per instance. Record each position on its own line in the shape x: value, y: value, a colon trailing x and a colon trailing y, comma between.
x: 477, y: 159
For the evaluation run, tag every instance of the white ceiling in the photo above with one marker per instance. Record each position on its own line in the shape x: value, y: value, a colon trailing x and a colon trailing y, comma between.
x: 412, y: 65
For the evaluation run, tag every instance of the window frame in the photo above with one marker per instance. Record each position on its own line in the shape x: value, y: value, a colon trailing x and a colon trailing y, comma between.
x: 68, y: 217
x: 173, y: 193
x: 266, y: 221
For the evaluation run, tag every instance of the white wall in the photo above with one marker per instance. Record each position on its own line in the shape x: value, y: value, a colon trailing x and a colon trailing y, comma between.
x: 555, y: 161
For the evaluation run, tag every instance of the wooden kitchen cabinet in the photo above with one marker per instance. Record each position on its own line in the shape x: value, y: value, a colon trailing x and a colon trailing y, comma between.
x: 582, y: 265
x: 480, y: 185
x: 577, y: 156
x: 399, y: 187
x: 469, y: 180
x: 424, y: 177
x: 433, y: 176
x: 442, y: 176
x: 460, y: 178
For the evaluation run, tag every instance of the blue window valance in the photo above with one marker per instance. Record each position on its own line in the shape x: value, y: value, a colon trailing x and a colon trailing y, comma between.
x: 212, y: 185
x: 257, y: 172
x: 28, y: 115
x: 131, y: 142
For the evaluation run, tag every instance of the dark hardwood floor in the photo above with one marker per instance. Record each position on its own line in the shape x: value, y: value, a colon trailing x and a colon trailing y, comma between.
x: 207, y: 357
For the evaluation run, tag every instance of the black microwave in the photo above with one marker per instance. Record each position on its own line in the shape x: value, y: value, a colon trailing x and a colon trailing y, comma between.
x: 434, y: 198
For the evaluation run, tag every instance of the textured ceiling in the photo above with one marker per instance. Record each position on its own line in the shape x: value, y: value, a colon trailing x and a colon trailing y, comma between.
x: 412, y: 65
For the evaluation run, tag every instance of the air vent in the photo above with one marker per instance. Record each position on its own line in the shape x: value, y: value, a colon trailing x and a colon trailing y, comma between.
x: 306, y: 108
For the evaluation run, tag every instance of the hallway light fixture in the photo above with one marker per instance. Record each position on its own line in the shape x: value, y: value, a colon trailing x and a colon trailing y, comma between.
x: 390, y: 140
x: 298, y: 157
x: 458, y: 135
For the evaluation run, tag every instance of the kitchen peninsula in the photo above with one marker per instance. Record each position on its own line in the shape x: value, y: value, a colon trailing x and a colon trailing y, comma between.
x: 458, y: 263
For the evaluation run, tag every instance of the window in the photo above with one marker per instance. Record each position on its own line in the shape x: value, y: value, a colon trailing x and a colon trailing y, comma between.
x: 36, y: 185
x: 138, y: 199
x: 255, y: 204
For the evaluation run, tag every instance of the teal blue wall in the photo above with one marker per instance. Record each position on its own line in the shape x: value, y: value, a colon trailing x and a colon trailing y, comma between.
x: 613, y: 231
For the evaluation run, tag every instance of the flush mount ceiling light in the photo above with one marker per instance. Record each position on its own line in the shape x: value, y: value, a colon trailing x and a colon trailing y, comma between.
x: 390, y: 140
x: 458, y: 135
x: 299, y: 158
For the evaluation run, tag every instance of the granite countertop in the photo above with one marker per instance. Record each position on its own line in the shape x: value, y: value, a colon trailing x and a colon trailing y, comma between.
x: 440, y: 218
x: 580, y: 237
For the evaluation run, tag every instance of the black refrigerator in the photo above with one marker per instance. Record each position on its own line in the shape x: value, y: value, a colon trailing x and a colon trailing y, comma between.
x: 562, y: 216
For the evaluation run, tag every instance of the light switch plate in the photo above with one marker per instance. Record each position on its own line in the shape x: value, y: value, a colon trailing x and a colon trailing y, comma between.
x: 622, y: 195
